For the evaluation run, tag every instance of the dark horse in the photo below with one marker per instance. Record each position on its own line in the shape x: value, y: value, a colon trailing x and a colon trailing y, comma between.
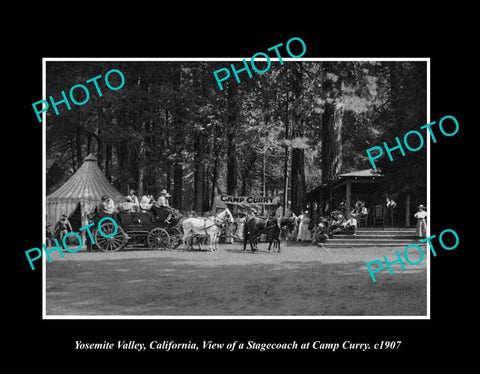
x: 255, y: 226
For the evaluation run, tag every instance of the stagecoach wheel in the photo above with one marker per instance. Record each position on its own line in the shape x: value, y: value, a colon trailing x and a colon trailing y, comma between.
x: 158, y: 238
x: 113, y: 244
x: 175, y: 237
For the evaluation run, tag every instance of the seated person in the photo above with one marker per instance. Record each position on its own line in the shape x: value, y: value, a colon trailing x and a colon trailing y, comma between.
x: 350, y: 225
x: 338, y: 222
x: 127, y: 205
x: 133, y: 196
x: 163, y: 199
x: 107, y: 205
x: 319, y: 234
x: 146, y: 203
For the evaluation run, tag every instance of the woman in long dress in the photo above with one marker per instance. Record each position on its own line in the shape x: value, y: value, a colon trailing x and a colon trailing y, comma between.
x: 240, y: 225
x: 421, y: 217
x: 303, y: 231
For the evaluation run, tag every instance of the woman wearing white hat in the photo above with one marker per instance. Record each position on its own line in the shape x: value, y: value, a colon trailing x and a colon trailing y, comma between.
x: 163, y: 198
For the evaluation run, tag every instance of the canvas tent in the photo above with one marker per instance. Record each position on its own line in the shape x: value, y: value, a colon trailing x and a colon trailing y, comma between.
x: 79, y: 194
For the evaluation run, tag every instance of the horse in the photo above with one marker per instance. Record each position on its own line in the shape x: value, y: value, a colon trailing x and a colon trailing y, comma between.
x: 255, y: 226
x: 209, y: 226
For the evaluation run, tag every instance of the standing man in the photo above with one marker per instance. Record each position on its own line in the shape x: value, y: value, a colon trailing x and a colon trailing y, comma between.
x: 390, y: 205
x: 421, y: 217
x: 63, y: 227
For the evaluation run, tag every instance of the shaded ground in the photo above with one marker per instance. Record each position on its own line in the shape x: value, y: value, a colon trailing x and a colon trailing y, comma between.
x: 300, y: 281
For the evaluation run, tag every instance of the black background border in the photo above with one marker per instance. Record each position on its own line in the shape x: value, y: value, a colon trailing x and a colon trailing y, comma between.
x: 451, y: 312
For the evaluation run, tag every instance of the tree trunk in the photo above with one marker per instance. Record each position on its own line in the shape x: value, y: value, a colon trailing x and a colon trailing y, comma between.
x: 286, y: 157
x: 72, y: 150
x: 206, y: 189
x: 141, y: 165
x: 198, y: 186
x: 243, y: 188
x: 331, y: 140
x: 108, y: 162
x: 178, y: 185
x: 298, y: 181
x: 122, y: 157
x: 198, y: 171
x: 407, y: 210
x: 100, y: 145
x: 89, y: 144
x: 214, y: 181
x: 168, y: 163
x: 232, y: 122
x: 298, y: 191
x: 78, y: 144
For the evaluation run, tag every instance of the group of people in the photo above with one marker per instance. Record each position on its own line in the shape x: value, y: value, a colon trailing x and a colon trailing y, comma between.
x: 62, y: 227
x: 322, y: 228
x: 131, y: 203
x: 319, y: 228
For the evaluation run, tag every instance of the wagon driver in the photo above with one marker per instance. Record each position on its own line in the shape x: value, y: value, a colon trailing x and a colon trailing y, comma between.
x: 163, y: 199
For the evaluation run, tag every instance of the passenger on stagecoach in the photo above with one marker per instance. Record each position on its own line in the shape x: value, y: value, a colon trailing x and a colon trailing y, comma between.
x: 133, y: 196
x: 127, y: 205
x: 107, y: 205
x: 163, y: 199
x: 146, y: 203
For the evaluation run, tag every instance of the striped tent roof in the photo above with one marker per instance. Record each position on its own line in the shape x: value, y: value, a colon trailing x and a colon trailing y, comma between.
x: 86, y: 186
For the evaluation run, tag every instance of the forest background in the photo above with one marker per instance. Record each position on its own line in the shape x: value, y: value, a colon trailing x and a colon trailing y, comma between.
x: 297, y: 126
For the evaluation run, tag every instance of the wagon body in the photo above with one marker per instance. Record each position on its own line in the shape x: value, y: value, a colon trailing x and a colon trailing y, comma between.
x: 153, y: 229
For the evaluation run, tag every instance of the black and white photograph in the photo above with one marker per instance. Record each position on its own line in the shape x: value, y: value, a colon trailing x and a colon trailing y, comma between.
x: 288, y: 194
x: 179, y: 194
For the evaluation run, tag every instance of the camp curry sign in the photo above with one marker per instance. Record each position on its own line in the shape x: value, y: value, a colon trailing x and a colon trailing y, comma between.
x: 245, y: 200
x: 78, y: 99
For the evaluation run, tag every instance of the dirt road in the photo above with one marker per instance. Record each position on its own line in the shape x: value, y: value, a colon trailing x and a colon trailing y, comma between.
x: 301, y: 280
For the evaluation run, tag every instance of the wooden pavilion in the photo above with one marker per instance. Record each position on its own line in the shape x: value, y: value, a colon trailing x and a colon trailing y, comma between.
x: 364, y: 185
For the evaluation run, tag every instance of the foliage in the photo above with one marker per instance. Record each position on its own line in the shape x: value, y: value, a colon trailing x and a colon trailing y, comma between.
x: 171, y: 116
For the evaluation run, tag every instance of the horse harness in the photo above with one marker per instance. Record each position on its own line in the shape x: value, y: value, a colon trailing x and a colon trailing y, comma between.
x: 215, y: 223
x: 268, y: 226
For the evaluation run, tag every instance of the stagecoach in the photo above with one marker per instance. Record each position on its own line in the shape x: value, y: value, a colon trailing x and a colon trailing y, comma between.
x: 157, y: 228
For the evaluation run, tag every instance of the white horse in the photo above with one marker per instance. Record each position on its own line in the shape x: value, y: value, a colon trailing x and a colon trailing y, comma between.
x: 209, y: 226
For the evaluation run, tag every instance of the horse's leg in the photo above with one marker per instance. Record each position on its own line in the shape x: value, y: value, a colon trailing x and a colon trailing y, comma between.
x: 213, y: 238
x: 245, y: 240
x: 210, y: 241
x: 184, y: 239
x: 270, y: 244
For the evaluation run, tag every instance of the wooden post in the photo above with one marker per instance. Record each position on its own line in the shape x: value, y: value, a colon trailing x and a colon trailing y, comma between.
x: 407, y: 211
x: 348, y: 199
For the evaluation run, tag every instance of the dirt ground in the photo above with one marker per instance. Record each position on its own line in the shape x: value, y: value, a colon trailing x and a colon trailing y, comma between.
x: 301, y: 280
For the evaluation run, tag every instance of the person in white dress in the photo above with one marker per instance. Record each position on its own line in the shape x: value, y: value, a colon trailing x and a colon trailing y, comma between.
x: 240, y: 225
x: 303, y: 231
x: 421, y: 217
